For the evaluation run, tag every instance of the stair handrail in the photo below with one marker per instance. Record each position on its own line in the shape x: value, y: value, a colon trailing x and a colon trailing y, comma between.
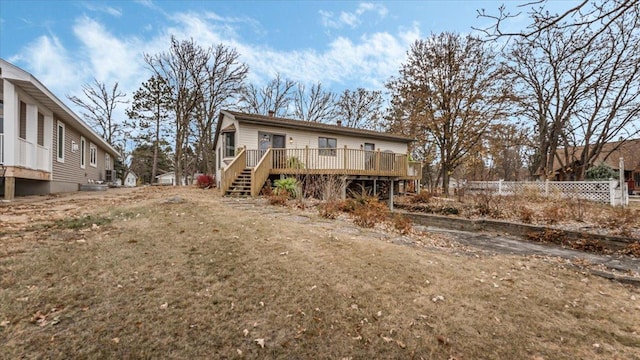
x: 231, y: 172
x: 260, y: 173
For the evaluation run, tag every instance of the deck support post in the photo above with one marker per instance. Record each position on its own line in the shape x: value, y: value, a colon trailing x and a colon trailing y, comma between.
x: 391, y: 195
x: 9, y: 188
x: 343, y: 190
x: 375, y: 187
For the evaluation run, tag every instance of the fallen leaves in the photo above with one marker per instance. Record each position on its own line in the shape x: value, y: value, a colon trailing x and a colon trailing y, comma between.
x: 260, y: 342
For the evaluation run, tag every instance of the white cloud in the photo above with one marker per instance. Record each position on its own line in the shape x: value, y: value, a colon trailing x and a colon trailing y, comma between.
x: 110, y: 57
x: 49, y: 61
x: 103, y: 8
x: 351, y: 19
x: 366, y: 61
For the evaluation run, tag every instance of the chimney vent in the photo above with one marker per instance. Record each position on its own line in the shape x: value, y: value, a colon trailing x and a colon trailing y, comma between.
x: 272, y: 113
x: 339, y: 122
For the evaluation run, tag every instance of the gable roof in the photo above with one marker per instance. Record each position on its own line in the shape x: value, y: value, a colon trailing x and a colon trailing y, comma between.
x: 306, y: 126
x: 627, y: 149
x: 34, y: 88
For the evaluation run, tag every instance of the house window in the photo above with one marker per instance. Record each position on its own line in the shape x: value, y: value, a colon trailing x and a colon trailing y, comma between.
x: 327, y: 146
x: 60, y: 142
x: 93, y: 155
x: 40, y: 129
x: 83, y: 152
x: 107, y: 162
x: 22, y: 125
x: 229, y: 144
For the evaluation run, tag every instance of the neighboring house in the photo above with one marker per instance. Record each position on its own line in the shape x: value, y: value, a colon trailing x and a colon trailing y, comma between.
x: 44, y: 146
x: 131, y: 179
x: 168, y: 178
x: 252, y: 148
x: 610, y: 155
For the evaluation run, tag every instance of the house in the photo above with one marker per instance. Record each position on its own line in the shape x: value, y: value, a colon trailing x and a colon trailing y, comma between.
x: 44, y: 146
x: 253, y: 148
x: 628, y: 150
x: 168, y: 178
x: 131, y: 179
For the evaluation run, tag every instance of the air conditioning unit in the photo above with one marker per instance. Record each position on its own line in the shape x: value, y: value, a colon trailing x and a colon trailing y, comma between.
x: 109, y: 175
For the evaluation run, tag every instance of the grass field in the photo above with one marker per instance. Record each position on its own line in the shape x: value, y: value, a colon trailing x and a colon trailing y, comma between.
x: 183, y: 273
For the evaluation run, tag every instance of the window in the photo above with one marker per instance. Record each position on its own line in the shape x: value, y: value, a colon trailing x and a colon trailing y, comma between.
x: 60, y: 142
x: 93, y: 155
x: 229, y: 144
x: 107, y: 162
x: 40, y: 129
x: 83, y: 152
x: 22, y: 125
x: 327, y: 146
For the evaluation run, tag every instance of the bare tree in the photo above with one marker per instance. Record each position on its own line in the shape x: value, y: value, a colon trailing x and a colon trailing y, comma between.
x: 577, y: 84
x: 224, y: 80
x: 317, y: 105
x: 276, y: 96
x: 183, y: 67
x: 450, y: 90
x: 97, y: 109
x: 360, y: 108
x: 584, y: 14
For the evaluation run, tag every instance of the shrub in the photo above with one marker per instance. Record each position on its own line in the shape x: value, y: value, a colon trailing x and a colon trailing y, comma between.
x: 288, y: 185
x: 525, y: 214
x: 552, y: 214
x: 402, y: 223
x: 278, y: 198
x: 348, y: 205
x: 601, y: 172
x: 369, y: 214
x: 329, y: 210
x: 205, y: 181
x: 422, y: 197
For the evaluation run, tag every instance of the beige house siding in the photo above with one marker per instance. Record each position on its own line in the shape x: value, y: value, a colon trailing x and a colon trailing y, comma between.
x: 70, y: 171
x: 299, y: 139
x: 306, y: 144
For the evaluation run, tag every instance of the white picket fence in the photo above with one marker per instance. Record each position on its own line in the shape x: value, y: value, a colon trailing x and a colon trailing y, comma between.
x: 602, y: 191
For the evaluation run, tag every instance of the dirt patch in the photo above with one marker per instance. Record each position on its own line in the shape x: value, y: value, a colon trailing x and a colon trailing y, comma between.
x: 209, y: 277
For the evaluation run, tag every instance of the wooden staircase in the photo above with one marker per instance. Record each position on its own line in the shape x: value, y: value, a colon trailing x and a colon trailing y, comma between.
x: 241, y: 186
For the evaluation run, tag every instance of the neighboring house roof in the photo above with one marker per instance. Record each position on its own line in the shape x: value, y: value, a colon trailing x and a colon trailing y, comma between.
x: 628, y: 149
x: 34, y: 88
x: 132, y: 173
x: 167, y: 174
x: 306, y: 125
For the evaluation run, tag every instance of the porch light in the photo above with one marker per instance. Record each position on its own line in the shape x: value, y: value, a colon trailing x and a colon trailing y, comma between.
x: 290, y: 139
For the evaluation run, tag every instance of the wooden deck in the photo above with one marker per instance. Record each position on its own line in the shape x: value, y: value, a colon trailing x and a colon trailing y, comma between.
x: 313, y: 161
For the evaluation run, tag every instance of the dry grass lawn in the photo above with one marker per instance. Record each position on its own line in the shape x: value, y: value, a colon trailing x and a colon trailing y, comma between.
x: 184, y: 273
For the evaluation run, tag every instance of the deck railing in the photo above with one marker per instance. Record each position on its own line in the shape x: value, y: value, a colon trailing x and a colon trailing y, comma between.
x: 260, y: 173
x: 42, y: 158
x: 253, y: 157
x: 341, y: 161
x: 233, y: 170
x: 25, y: 149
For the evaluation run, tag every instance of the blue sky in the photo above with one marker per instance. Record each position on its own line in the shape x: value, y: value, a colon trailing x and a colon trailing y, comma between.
x: 342, y: 44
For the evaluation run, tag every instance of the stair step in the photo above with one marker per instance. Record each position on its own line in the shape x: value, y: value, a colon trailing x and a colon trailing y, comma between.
x: 241, y: 186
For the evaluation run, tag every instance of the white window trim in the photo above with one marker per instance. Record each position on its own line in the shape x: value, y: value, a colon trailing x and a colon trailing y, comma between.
x: 107, y: 161
x: 60, y: 141
x: 83, y: 152
x: 93, y: 160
